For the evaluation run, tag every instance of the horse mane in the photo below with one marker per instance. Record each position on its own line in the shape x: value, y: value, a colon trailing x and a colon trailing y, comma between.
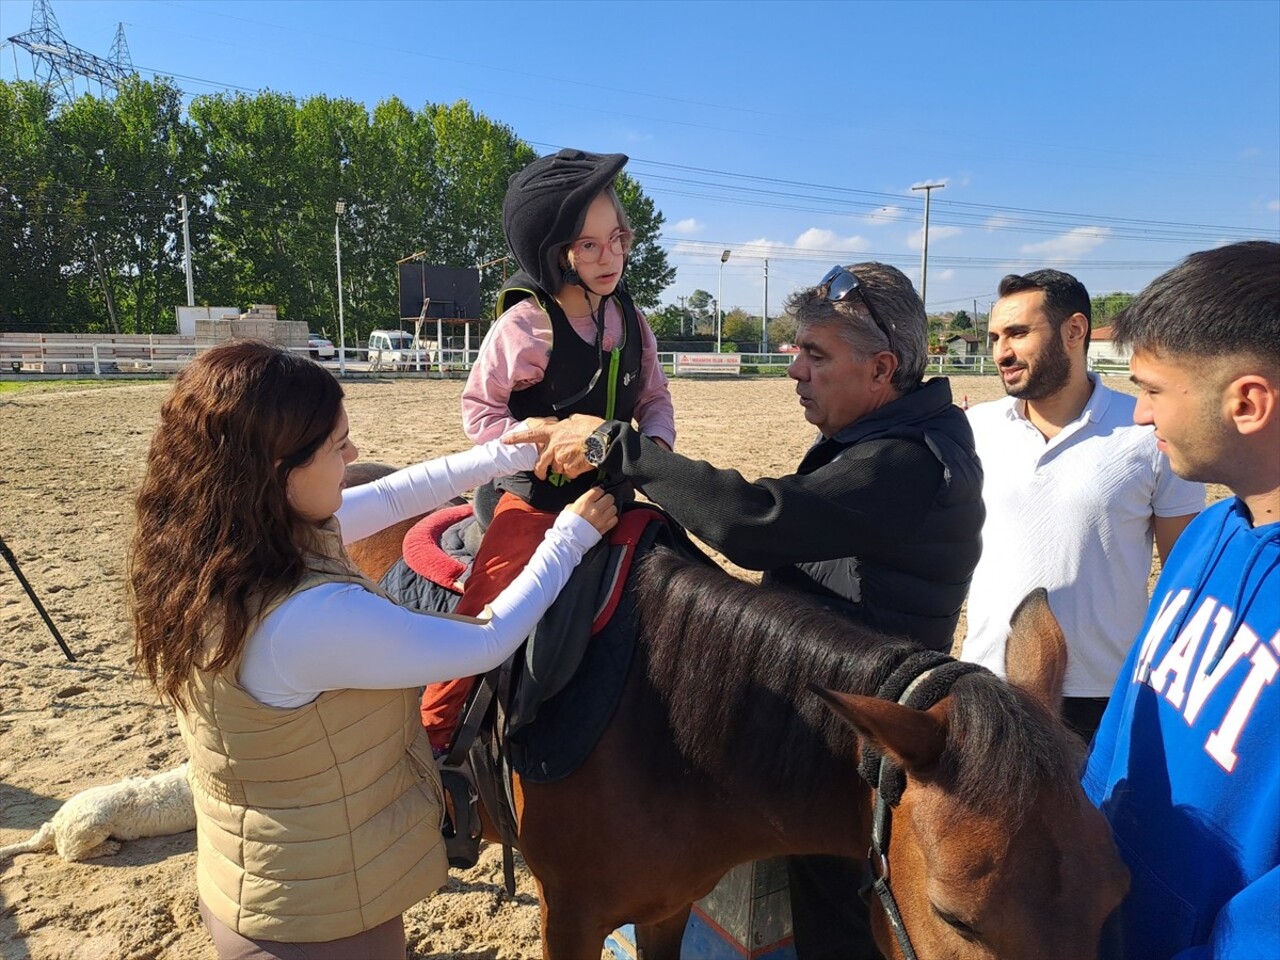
x: 732, y: 663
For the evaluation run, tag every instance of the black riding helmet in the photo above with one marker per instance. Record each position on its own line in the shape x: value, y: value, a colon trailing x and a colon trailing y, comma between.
x: 546, y: 205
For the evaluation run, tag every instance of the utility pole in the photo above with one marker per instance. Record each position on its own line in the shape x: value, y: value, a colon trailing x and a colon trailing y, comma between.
x: 682, y: 314
x: 339, y: 209
x: 928, y: 189
x: 764, y: 319
x: 186, y: 252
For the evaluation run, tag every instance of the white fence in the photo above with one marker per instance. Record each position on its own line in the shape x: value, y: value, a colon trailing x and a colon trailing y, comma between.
x: 144, y: 355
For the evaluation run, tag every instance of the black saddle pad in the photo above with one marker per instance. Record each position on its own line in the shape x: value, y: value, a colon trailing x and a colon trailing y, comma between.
x: 565, y: 681
x: 569, y: 724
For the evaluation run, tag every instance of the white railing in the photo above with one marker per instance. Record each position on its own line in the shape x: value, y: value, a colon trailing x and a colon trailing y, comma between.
x: 162, y: 354
x: 52, y: 355
x: 81, y: 356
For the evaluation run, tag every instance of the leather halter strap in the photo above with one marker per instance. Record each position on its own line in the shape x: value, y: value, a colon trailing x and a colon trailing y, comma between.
x: 919, y: 682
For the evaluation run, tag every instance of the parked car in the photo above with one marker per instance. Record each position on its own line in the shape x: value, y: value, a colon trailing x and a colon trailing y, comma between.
x: 321, y: 348
x: 395, y: 350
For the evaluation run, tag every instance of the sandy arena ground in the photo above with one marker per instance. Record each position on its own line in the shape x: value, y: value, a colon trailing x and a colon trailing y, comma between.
x: 70, y: 462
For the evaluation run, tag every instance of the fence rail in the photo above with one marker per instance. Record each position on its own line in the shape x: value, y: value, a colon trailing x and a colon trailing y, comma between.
x: 163, y: 354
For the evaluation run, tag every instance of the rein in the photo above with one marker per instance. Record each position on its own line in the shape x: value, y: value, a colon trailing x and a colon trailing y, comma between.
x: 919, y: 682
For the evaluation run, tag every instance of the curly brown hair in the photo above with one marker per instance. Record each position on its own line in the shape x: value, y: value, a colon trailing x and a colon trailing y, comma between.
x: 216, y: 538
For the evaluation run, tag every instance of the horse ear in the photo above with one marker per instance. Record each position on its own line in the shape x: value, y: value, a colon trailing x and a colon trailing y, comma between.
x: 914, y: 739
x: 1036, y: 654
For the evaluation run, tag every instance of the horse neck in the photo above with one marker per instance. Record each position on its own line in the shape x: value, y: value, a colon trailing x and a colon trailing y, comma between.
x: 751, y: 730
x: 744, y: 801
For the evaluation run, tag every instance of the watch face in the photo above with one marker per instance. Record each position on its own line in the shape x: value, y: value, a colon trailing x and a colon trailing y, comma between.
x: 594, y: 449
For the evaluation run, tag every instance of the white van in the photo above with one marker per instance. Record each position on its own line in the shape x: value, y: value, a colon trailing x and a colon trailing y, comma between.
x: 395, y: 350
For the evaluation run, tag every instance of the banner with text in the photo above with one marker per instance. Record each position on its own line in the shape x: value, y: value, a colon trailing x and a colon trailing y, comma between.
x: 730, y: 363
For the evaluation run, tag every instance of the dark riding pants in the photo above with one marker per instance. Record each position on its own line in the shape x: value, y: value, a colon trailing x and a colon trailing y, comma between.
x: 831, y: 921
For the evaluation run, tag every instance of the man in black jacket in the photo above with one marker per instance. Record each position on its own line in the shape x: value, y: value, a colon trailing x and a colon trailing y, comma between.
x: 880, y: 521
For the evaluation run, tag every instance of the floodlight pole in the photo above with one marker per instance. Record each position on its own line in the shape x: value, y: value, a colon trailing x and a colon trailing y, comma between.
x: 764, y: 317
x: 186, y: 252
x: 339, y: 209
x: 928, y: 189
x: 719, y: 297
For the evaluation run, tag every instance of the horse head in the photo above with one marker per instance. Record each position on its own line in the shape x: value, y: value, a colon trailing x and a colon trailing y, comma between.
x: 995, y: 850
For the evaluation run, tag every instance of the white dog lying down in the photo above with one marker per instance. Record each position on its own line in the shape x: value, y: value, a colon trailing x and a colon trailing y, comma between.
x: 137, y: 807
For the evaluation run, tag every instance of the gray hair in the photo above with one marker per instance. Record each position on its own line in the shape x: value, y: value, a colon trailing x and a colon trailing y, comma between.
x: 895, y: 302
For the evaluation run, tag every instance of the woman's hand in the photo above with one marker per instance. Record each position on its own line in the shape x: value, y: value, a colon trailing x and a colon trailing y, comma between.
x: 597, y: 508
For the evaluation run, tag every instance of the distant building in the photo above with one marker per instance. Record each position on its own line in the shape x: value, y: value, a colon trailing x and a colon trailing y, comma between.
x: 1104, y: 350
x: 962, y: 347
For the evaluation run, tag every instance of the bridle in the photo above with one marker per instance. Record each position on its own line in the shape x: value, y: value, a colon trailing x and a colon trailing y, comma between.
x: 919, y: 682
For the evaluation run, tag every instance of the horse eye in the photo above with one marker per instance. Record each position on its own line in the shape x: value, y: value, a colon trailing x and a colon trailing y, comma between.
x: 956, y: 924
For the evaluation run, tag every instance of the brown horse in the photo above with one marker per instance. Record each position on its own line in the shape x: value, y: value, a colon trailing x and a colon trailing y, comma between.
x: 719, y: 753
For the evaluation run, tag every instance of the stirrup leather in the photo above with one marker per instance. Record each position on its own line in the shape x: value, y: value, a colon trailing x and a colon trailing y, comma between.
x: 461, y: 831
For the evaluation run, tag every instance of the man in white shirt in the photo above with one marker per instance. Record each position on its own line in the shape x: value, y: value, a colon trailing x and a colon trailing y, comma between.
x: 1075, y: 493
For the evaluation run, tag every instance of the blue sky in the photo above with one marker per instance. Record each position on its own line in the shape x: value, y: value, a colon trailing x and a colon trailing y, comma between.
x: 1108, y: 139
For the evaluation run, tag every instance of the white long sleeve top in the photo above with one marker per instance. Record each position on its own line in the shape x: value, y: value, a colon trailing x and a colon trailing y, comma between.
x: 340, y: 636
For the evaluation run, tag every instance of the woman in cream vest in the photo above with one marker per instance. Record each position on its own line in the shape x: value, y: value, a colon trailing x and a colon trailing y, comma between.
x: 318, y: 805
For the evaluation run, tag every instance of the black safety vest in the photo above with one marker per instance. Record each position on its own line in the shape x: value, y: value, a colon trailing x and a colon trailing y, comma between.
x: 572, y: 364
x: 917, y: 588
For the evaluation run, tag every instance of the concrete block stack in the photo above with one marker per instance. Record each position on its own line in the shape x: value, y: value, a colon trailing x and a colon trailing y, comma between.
x: 260, y: 322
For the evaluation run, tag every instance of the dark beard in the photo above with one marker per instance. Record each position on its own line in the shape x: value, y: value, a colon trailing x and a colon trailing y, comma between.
x: 1047, y: 376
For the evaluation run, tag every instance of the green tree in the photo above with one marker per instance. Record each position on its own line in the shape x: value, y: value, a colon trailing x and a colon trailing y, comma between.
x: 648, y: 271
x: 125, y: 161
x: 782, y: 330
x: 961, y: 321
x: 1106, y: 306
x: 36, y: 238
x: 259, y: 202
x: 737, y: 324
x: 703, y: 307
x: 475, y: 158
x: 667, y: 322
x: 90, y: 226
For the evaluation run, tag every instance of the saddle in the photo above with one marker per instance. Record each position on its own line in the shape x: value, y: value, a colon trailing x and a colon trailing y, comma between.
x: 542, y: 712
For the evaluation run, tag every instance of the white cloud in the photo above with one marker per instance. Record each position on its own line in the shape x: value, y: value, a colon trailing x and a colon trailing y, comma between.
x: 947, y: 274
x: 885, y: 215
x: 1070, y: 245
x: 686, y: 227
x: 689, y: 248
x: 758, y: 248
x: 915, y: 239
x: 1274, y: 205
x: 816, y: 238
x: 942, y: 180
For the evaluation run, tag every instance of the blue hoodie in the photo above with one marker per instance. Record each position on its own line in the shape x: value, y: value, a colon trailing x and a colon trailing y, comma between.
x: 1186, y: 762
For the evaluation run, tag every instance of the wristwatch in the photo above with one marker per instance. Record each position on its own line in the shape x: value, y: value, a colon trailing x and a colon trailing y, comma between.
x: 596, y: 447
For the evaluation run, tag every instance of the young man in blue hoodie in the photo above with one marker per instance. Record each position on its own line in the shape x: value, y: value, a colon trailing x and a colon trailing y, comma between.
x: 1186, y: 762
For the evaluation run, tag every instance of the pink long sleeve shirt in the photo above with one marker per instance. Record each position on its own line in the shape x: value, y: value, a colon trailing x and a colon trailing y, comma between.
x: 514, y: 357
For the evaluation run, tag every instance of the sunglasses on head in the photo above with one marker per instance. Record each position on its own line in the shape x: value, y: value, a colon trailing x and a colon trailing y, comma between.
x: 841, y: 285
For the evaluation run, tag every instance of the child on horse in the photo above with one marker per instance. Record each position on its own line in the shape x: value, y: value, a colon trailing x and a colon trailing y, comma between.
x: 288, y: 668
x: 568, y: 340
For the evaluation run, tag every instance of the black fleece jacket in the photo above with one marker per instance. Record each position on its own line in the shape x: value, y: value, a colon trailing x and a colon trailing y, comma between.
x: 881, y: 521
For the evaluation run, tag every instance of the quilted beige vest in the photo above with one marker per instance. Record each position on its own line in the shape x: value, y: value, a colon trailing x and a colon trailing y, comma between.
x: 315, y: 822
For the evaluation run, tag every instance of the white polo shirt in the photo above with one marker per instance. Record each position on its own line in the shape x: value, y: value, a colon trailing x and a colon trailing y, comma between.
x: 1074, y: 515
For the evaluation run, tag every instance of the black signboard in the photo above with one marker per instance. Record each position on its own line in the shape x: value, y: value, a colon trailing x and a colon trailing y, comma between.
x: 451, y: 293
